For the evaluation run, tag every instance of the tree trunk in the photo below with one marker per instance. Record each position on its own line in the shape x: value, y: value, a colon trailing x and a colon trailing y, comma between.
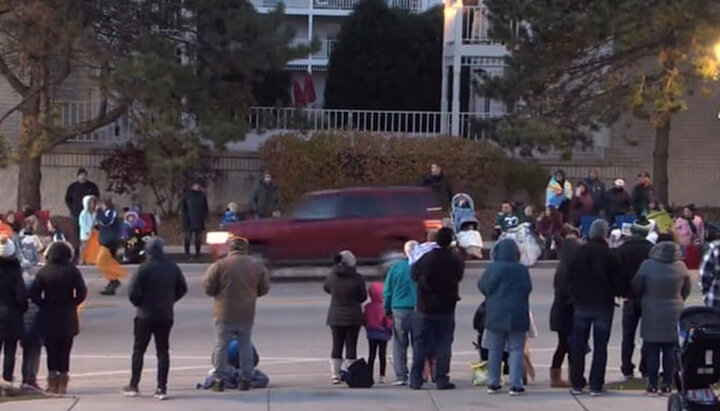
x: 660, y: 160
x: 29, y: 179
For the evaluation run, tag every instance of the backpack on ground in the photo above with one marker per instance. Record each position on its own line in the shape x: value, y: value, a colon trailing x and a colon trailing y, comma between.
x: 359, y: 375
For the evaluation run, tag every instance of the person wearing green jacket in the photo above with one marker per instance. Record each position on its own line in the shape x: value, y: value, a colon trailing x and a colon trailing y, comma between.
x: 399, y: 300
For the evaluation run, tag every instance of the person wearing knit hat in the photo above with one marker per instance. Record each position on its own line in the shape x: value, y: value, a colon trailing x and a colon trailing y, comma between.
x: 13, y: 304
x: 633, y: 251
x: 594, y: 277
x: 235, y: 283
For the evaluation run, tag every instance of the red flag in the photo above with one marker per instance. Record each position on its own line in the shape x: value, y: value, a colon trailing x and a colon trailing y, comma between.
x: 300, y: 99
x: 310, y: 96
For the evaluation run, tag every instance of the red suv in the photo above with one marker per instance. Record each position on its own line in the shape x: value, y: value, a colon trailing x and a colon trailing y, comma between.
x: 370, y: 222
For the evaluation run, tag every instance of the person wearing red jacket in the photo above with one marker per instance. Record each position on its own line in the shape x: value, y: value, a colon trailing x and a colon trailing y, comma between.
x: 378, y: 327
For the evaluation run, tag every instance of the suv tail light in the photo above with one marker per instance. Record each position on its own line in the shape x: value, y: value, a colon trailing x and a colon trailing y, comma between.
x: 431, y: 225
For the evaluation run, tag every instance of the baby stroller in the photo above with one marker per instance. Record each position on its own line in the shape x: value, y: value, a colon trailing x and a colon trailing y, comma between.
x: 134, y: 245
x: 530, y: 250
x: 698, y: 360
x: 465, y: 226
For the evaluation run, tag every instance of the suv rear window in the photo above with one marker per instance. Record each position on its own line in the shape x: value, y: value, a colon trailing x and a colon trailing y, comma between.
x: 322, y: 207
x: 416, y: 203
x: 362, y: 205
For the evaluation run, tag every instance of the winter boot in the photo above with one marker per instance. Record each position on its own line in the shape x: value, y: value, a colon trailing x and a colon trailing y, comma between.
x: 53, y: 381
x: 556, y: 380
x: 63, y: 380
x: 335, y: 365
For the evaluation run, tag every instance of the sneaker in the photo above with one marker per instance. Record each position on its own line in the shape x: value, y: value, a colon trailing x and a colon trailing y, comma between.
x: 415, y: 387
x: 577, y: 391
x: 494, y: 389
x: 131, y: 391
x: 244, y: 385
x: 666, y: 390
x: 628, y: 377
x: 514, y: 392
x: 31, y: 386
x: 161, y: 394
x: 446, y: 386
x: 381, y: 380
x: 108, y: 291
x: 218, y: 386
x: 597, y: 393
x: 400, y: 383
x: 651, y: 392
x: 336, y: 380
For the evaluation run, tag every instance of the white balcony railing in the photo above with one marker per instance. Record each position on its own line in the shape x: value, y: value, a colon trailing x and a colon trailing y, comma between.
x: 75, y: 112
x: 323, y: 52
x: 411, y: 5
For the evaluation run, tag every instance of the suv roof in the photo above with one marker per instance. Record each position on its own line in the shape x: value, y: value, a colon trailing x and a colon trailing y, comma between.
x: 372, y: 190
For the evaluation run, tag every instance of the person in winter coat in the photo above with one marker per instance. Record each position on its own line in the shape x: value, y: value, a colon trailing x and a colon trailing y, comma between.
x: 347, y: 293
x: 399, y: 300
x: 550, y: 229
x: 10, y: 218
x: 235, y: 282
x: 663, y: 285
x: 154, y: 289
x: 595, y: 281
x: 597, y: 190
x: 506, y: 285
x: 582, y: 204
x: 561, y: 312
x: 506, y: 219
x: 641, y: 194
x: 438, y: 274
x: 633, y: 252
x: 265, y: 201
x: 13, y: 304
x: 132, y: 224
x: 378, y: 328
x: 439, y: 184
x: 558, y: 194
x: 194, y: 212
x: 110, y: 237
x: 58, y: 290
x: 77, y: 191
x: 690, y: 230
x: 617, y: 202
x: 86, y: 223
x: 31, y: 342
x: 231, y: 215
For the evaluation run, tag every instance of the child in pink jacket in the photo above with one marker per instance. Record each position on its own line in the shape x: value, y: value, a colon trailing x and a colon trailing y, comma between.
x: 378, y: 328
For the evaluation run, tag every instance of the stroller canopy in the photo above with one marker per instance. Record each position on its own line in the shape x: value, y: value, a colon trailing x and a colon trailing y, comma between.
x: 699, y: 317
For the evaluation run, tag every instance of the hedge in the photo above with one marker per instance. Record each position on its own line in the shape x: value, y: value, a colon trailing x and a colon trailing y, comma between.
x: 332, y: 160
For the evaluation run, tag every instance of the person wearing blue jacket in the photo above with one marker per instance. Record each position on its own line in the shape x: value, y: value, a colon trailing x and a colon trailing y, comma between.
x: 399, y: 300
x: 507, y: 286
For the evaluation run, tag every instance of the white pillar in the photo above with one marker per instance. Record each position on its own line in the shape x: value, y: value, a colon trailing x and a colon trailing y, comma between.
x: 310, y: 34
x: 455, y: 116
x: 444, y: 100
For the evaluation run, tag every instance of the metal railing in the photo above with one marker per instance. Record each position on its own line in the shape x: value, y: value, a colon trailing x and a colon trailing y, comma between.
x: 76, y: 112
x: 411, y: 5
x: 476, y: 25
x: 325, y: 50
x: 289, y: 4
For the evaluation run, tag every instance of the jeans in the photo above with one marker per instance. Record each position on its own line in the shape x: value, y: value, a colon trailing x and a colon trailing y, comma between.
x: 198, y: 241
x: 9, y: 348
x: 631, y: 313
x: 401, y: 341
x: 58, y: 353
x: 344, y: 336
x: 432, y: 337
x: 600, y: 319
x: 160, y: 331
x: 30, y: 361
x: 224, y: 333
x: 653, y: 352
x: 496, y: 342
x: 378, y: 348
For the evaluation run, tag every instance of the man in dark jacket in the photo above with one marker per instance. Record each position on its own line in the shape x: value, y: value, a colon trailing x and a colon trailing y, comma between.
x: 154, y: 289
x: 595, y: 273
x: 77, y: 191
x: 438, y: 275
x: 633, y: 252
x: 265, y: 202
x: 597, y: 190
x: 617, y: 201
x: 439, y: 184
x: 13, y: 303
x: 641, y: 194
x: 194, y: 213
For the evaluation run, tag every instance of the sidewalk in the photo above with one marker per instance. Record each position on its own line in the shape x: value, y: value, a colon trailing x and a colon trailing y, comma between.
x: 335, y: 398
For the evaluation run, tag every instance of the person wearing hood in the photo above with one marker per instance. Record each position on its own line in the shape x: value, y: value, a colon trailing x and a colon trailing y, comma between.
x: 633, y: 252
x: 194, y: 212
x: 438, y: 275
x: 641, y: 194
x: 345, y: 317
x: 438, y: 182
x: 235, y: 283
x: 154, y: 289
x: 597, y: 190
x: 507, y: 286
x: 86, y: 223
x: 663, y: 285
x: 561, y: 311
x: 77, y: 191
x: 399, y: 300
x: 13, y: 304
x: 58, y: 290
x: 265, y: 201
x: 378, y: 328
x: 110, y: 235
x: 583, y: 204
x: 558, y: 194
x: 132, y: 223
x: 595, y: 281
x: 617, y: 201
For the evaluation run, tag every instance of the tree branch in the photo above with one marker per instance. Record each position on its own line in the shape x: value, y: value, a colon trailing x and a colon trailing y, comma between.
x: 12, y: 79
x: 104, y: 117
